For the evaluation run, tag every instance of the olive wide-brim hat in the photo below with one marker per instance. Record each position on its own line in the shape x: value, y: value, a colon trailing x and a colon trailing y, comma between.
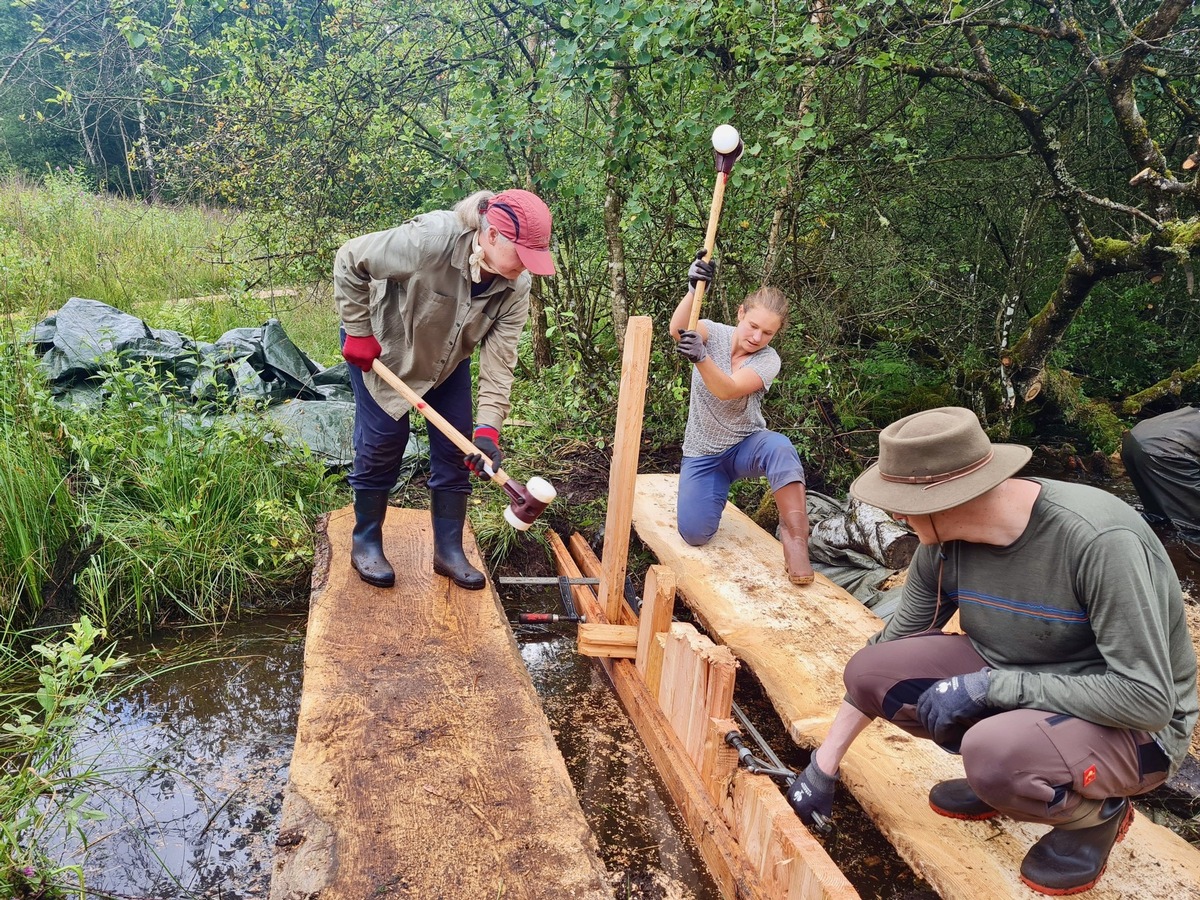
x: 936, y: 460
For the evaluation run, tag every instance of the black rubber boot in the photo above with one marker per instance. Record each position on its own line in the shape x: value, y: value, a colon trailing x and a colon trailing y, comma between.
x: 1071, y: 858
x: 366, y: 546
x: 956, y: 800
x: 449, y: 512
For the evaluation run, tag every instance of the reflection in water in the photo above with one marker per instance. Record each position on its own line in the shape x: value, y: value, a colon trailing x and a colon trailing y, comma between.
x: 196, y: 761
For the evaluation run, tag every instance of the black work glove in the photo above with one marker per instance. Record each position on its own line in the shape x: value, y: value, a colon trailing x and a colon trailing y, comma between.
x: 811, y: 794
x: 487, y: 439
x: 701, y: 269
x: 947, y: 708
x: 691, y: 346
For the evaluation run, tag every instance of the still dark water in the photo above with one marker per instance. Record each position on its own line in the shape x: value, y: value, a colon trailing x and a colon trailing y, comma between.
x: 196, y: 761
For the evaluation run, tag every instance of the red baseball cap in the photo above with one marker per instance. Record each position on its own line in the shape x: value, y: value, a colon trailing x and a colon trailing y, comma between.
x: 524, y: 219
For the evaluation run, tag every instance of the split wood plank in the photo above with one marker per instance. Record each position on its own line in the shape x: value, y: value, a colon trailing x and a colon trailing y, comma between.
x: 797, y: 641
x: 814, y: 876
x: 609, y: 641
x: 658, y: 607
x: 627, y: 443
x: 423, y: 762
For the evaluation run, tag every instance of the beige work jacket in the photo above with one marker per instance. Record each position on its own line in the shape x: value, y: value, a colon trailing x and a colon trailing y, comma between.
x: 410, y: 286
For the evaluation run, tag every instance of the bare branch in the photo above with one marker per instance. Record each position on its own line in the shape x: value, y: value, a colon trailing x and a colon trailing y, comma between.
x: 1121, y: 207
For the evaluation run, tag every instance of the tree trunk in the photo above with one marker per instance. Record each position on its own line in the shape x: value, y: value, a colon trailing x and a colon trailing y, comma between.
x: 614, y: 207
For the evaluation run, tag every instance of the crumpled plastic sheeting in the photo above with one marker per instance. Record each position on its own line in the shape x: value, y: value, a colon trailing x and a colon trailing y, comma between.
x: 309, y: 404
x: 855, y: 572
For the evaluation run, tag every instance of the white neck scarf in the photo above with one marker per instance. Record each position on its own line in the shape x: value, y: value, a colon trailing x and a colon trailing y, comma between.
x: 475, y: 260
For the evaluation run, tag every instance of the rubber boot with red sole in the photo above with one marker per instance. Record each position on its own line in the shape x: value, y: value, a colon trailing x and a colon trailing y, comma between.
x: 955, y: 799
x: 1071, y: 859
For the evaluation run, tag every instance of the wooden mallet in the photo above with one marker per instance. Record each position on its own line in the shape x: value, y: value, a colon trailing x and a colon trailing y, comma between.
x: 529, y: 500
x: 727, y: 150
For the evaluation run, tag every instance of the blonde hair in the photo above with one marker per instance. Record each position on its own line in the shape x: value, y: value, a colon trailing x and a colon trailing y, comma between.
x: 470, y: 209
x: 771, y: 299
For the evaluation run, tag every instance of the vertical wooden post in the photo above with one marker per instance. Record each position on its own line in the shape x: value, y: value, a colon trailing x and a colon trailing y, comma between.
x: 658, y: 607
x: 622, y: 476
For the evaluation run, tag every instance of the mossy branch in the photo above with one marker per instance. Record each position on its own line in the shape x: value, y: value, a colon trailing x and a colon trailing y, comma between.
x: 1171, y: 386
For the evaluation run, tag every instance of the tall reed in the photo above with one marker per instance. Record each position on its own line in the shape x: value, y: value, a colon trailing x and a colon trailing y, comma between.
x: 37, y: 516
x: 191, y: 514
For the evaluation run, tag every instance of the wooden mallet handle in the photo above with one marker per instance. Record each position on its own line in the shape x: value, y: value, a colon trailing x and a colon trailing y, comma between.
x: 433, y: 416
x: 727, y: 149
x: 710, y: 243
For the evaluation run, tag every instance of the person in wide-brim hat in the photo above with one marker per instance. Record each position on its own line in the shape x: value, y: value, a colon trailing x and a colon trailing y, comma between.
x: 936, y: 460
x: 1073, y: 686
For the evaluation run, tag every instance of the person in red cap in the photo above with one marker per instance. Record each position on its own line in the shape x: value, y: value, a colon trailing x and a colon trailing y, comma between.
x: 421, y: 298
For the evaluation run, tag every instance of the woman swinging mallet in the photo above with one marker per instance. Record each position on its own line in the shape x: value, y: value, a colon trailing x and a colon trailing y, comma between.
x: 726, y: 436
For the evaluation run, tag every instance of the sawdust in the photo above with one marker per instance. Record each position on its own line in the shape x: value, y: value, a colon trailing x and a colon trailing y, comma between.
x: 1192, y: 611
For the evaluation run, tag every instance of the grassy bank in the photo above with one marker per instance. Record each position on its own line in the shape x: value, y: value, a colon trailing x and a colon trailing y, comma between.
x: 120, y: 516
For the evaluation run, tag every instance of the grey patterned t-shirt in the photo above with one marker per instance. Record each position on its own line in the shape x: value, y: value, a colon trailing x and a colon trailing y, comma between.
x: 713, y: 425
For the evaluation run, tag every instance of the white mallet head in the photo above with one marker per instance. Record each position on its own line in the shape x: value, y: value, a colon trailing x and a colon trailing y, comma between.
x: 725, y: 138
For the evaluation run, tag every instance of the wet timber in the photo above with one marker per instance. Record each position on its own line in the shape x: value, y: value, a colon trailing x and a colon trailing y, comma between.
x: 423, y: 765
x: 797, y: 640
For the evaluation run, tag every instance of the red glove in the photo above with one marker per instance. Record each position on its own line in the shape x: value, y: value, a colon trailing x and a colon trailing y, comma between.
x: 361, y: 351
x: 487, y: 439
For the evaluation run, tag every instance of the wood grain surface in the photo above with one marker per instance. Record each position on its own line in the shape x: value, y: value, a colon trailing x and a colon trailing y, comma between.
x: 424, y: 765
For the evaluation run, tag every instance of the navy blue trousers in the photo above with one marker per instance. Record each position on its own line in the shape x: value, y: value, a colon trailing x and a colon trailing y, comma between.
x: 380, y: 440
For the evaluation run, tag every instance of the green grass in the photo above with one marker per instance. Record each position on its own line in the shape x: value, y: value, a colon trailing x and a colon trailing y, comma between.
x: 194, y: 516
x: 187, y: 268
x: 139, y: 511
x: 58, y: 241
x: 37, y: 516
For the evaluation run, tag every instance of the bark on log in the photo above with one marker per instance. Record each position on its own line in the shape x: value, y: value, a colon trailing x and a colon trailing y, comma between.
x: 868, y: 530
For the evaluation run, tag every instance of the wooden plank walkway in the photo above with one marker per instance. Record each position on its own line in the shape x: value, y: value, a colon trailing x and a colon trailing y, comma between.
x: 424, y: 765
x: 797, y: 640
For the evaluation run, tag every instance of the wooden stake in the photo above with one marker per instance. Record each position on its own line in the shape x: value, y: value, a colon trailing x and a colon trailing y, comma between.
x: 654, y: 663
x: 719, y: 761
x: 658, y: 607
x: 622, y: 479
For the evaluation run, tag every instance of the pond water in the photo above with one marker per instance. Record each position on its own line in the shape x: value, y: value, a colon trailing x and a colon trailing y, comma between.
x: 197, y: 761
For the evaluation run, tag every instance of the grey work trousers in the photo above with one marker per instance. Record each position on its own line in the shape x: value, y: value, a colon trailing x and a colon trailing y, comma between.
x: 1031, y: 765
x: 1162, y: 457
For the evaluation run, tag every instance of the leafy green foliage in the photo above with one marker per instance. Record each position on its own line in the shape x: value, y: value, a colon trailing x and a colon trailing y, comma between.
x: 1122, y: 341
x: 199, y: 516
x: 44, y: 795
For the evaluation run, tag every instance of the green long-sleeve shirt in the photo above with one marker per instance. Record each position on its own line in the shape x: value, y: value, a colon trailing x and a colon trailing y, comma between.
x: 1082, y: 615
x: 410, y: 286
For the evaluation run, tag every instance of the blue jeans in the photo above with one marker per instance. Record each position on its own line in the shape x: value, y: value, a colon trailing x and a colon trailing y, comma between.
x: 380, y: 440
x: 704, y: 480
